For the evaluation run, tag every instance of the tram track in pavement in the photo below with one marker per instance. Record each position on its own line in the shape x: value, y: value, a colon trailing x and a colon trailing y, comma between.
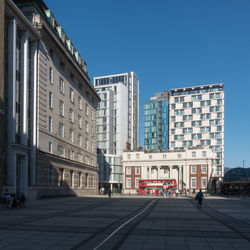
x: 224, y: 219
x: 127, y: 223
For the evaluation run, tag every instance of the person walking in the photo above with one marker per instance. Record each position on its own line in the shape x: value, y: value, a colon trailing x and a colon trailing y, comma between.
x: 199, y: 196
x: 109, y: 193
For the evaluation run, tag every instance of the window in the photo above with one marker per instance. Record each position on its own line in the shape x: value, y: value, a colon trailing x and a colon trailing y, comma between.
x: 79, y: 157
x: 204, y: 153
x: 193, y: 169
x: 71, y: 135
x: 61, y: 151
x: 61, y: 130
x: 71, y: 115
x: 87, y: 109
x: 176, y: 99
x: 166, y: 171
x: 203, y: 169
x: 50, y: 124
x: 182, y: 99
x: 173, y: 106
x: 128, y: 170
x: 61, y: 85
x: 219, y: 142
x: 219, y: 128
x: 128, y: 156
x: 172, y: 144
x: 51, y: 75
x: 87, y: 126
x: 71, y: 95
x: 179, y: 155
x: 219, y: 102
x: 128, y: 182
x: 79, y: 102
x: 79, y: 179
x: 193, y: 182
x: 61, y: 108
x: 79, y: 121
x: 204, y: 182
x: 86, y: 143
x: 137, y: 170
x: 172, y: 118
x: 61, y: 177
x: 71, y: 178
x: 50, y: 100
x: 137, y: 182
x: 50, y: 147
x: 193, y: 154
x: 79, y: 140
x: 137, y: 156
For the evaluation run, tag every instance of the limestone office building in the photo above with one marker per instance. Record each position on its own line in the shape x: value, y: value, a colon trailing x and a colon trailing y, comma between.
x: 49, y: 109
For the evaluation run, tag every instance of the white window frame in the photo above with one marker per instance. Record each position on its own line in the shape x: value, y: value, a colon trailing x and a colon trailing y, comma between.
x: 137, y: 170
x: 193, y: 169
x: 128, y: 170
x: 193, y: 179
x: 203, y: 179
x: 202, y: 168
x: 128, y: 182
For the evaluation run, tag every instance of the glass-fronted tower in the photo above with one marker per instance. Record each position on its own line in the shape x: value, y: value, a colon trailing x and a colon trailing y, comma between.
x: 156, y: 122
x: 117, y: 124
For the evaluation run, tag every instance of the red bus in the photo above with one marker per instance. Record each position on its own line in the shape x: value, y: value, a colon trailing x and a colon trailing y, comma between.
x: 155, y: 186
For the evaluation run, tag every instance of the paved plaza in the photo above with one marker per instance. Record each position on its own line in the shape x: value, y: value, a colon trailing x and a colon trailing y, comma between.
x: 127, y: 223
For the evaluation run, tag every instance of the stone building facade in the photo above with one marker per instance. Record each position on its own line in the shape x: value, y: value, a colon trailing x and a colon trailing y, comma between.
x: 60, y: 109
x: 192, y: 168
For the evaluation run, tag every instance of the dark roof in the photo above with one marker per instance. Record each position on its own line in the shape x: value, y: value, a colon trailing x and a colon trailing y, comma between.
x: 236, y: 174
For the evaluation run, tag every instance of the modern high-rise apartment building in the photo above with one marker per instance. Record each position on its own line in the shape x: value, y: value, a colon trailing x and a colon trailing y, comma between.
x: 117, y: 124
x: 156, y: 122
x: 196, y: 118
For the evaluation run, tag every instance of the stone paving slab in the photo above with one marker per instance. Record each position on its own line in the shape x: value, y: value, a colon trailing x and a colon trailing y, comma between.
x: 82, y: 223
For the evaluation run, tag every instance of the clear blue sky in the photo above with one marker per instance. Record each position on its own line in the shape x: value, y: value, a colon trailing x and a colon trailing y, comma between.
x: 170, y: 44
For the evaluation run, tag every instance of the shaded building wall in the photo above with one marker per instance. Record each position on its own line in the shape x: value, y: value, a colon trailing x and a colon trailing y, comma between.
x: 2, y: 108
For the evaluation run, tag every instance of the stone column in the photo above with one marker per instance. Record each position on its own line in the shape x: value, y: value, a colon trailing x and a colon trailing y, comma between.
x: 158, y: 172
x: 11, y: 127
x: 25, y: 87
x: 33, y: 97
